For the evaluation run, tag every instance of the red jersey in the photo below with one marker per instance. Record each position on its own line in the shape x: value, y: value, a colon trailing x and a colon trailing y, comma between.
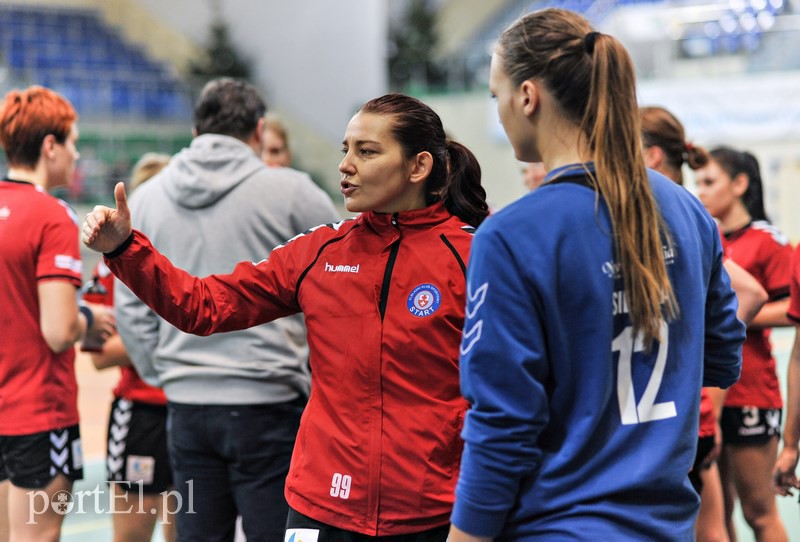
x: 708, y: 422
x: 794, y: 308
x: 130, y: 385
x: 766, y: 254
x: 38, y: 242
x: 378, y: 450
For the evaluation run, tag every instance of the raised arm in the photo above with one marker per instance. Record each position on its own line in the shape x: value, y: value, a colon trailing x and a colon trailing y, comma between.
x: 252, y: 294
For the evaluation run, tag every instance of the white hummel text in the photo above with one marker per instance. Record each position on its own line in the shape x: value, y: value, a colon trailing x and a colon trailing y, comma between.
x: 342, y: 268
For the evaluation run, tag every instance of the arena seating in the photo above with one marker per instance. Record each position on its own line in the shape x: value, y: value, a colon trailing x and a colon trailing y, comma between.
x: 75, y: 52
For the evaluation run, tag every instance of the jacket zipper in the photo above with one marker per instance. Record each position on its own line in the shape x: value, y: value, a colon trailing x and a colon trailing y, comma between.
x: 387, y: 275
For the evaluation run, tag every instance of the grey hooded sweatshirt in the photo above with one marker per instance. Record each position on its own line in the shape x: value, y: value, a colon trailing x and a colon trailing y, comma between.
x: 214, y: 205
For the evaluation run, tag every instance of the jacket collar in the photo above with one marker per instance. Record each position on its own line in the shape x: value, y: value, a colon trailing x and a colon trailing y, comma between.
x: 418, y: 218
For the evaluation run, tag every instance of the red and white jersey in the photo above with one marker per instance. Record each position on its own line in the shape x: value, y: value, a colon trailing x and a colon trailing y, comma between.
x: 130, y: 385
x: 766, y: 254
x: 38, y: 242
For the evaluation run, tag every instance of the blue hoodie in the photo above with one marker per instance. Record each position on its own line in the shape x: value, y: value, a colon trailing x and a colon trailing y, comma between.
x: 575, y: 433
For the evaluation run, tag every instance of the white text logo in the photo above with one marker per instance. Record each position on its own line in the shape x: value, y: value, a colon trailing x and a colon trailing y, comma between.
x: 342, y: 268
x: 129, y: 500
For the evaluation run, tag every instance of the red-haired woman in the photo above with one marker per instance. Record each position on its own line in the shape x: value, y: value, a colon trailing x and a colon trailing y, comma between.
x: 40, y: 271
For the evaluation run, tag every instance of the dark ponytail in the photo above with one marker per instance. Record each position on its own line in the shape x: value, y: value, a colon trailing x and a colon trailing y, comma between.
x: 740, y: 162
x: 463, y: 194
x: 455, y: 177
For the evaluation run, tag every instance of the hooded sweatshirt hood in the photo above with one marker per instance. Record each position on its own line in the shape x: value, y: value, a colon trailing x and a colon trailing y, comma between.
x: 207, y: 170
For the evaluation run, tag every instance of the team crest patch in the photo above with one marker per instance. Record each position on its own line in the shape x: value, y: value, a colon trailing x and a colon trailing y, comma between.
x: 424, y: 300
x: 140, y: 469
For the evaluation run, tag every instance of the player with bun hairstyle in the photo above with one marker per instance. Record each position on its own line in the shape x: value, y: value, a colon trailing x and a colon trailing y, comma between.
x: 665, y: 145
x: 666, y: 151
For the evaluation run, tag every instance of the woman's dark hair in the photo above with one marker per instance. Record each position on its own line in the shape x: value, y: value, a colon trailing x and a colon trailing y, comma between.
x: 591, y: 77
x: 661, y: 129
x: 229, y: 107
x: 455, y: 177
x: 741, y: 162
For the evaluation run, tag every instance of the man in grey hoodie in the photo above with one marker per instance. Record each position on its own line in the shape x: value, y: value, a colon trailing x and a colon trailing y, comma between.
x: 234, y: 399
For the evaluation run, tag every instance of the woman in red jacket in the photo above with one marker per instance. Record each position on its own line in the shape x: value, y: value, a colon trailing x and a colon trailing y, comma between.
x: 383, y: 295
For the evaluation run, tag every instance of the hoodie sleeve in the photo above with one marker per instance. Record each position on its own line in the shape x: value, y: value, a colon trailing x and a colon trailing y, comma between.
x: 138, y: 325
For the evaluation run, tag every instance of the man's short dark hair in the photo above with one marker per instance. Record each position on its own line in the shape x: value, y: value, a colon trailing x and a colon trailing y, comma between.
x: 229, y: 107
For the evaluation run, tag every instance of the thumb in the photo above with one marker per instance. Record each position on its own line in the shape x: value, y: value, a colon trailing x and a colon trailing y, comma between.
x: 122, y: 200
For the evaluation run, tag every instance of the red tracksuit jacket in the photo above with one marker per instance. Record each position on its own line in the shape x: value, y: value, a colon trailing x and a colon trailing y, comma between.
x: 383, y: 295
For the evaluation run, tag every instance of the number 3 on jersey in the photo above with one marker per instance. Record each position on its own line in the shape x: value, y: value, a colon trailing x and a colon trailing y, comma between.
x: 340, y: 485
x: 646, y: 410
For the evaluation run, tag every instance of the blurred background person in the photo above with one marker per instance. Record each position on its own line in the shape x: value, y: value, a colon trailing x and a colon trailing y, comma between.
x: 666, y: 151
x: 730, y: 187
x: 137, y: 425
x: 41, y: 320
x: 276, y: 151
x: 784, y: 475
x: 533, y: 175
x: 665, y: 147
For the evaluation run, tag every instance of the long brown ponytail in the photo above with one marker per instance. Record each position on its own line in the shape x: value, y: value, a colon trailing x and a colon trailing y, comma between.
x: 592, y: 77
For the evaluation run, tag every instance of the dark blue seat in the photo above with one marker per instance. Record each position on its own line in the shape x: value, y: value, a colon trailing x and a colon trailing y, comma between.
x: 76, y: 53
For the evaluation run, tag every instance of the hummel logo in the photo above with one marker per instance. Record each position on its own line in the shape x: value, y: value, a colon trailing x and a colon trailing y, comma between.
x: 342, y: 268
x: 5, y: 212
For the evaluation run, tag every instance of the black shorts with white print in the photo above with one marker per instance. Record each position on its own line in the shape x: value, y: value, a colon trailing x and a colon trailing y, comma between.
x: 32, y: 461
x: 750, y: 425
